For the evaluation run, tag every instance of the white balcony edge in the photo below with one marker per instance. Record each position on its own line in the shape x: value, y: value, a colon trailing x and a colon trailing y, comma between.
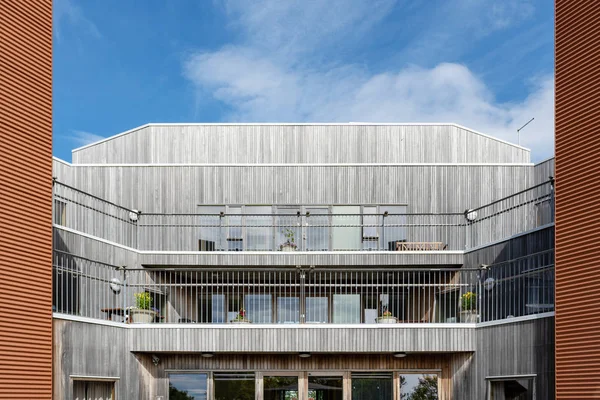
x: 483, y: 246
x: 514, y: 320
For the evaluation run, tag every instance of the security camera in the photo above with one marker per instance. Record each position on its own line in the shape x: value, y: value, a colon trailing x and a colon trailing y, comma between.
x: 155, y: 359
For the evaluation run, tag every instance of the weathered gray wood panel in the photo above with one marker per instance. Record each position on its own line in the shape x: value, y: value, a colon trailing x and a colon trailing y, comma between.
x: 544, y: 170
x: 301, y: 143
x: 331, y: 339
x: 180, y: 189
x: 513, y: 349
x: 96, y: 351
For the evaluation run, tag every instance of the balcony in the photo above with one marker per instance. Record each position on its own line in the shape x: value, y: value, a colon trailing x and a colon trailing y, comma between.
x: 305, y: 229
x: 290, y: 297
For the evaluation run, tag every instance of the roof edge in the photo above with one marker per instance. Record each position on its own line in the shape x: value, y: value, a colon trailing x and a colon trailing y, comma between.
x: 301, y: 124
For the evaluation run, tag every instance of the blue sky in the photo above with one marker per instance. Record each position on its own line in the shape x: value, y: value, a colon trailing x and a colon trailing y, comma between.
x: 488, y: 65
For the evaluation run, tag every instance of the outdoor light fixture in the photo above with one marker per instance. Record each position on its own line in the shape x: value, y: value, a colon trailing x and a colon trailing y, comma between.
x: 400, y: 354
x: 115, y: 285
x: 471, y: 215
x: 304, y: 355
x: 208, y: 355
x: 489, y: 283
x: 133, y: 215
x: 155, y: 359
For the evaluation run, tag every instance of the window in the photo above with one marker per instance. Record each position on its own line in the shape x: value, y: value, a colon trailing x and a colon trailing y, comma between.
x: 346, y: 229
x: 288, y: 310
x: 60, y: 212
x: 234, y: 229
x: 317, y: 310
x: 210, y: 228
x: 259, y: 308
x: 394, y: 226
x: 287, y: 228
x: 372, y: 386
x: 93, y: 390
x: 258, y: 223
x: 212, y: 309
x: 346, y: 309
x: 234, y: 385
x: 419, y: 386
x: 280, y: 387
x: 370, y: 229
x: 325, y: 387
x: 188, y: 386
x: 317, y: 228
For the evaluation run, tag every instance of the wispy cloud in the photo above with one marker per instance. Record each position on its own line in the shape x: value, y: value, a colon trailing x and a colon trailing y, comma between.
x: 82, y: 138
x: 268, y: 78
x: 64, y: 11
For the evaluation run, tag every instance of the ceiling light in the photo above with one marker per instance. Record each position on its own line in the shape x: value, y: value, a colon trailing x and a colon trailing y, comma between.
x: 208, y: 355
x: 304, y: 355
x: 400, y: 354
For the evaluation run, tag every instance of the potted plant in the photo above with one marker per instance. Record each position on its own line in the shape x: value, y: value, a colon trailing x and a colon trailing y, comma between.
x: 240, y: 318
x: 290, y: 242
x: 142, y: 312
x: 468, y: 311
x: 387, y: 318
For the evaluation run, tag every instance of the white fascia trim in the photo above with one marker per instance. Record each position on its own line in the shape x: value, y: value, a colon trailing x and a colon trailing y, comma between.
x: 96, y: 238
x: 483, y: 246
x: 87, y: 320
x: 94, y: 378
x: 505, y: 377
x: 305, y: 124
x: 515, y: 320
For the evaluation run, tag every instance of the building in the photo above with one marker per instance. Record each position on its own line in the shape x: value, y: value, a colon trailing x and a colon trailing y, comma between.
x: 329, y: 261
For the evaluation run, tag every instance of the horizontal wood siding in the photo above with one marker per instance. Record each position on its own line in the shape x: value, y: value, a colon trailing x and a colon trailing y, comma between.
x: 301, y: 144
x: 26, y: 200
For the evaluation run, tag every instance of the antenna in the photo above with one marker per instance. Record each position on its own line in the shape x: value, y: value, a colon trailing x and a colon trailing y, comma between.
x: 519, y: 131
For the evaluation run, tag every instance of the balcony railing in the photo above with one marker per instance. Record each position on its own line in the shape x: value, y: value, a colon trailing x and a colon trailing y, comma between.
x: 306, y: 231
x: 303, y: 295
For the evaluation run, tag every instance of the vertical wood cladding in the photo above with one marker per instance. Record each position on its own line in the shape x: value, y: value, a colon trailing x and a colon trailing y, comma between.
x: 577, y: 199
x: 26, y: 201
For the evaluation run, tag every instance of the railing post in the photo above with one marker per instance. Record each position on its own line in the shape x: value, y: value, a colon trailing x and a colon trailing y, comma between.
x: 551, y: 198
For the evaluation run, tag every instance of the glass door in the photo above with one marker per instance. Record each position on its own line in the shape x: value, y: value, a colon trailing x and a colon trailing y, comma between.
x: 325, y: 387
x: 280, y: 387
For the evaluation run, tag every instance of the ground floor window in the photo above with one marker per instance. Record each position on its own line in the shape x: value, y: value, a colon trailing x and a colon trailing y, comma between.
x: 93, y: 390
x: 188, y: 386
x: 234, y: 385
x: 418, y: 387
x: 303, y: 385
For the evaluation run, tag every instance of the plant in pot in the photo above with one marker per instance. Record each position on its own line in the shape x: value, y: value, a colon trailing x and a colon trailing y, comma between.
x: 387, y: 318
x: 290, y: 242
x: 468, y: 311
x: 240, y: 318
x: 142, y: 313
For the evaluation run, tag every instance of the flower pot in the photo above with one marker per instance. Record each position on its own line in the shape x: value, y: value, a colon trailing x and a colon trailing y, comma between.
x: 387, y: 320
x: 288, y: 247
x: 469, y: 316
x: 139, y: 316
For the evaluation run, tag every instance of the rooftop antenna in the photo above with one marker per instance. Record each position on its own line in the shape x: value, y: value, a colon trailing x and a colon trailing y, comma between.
x: 519, y: 131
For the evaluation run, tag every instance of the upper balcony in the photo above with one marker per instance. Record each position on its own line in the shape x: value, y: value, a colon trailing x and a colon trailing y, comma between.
x: 303, y: 229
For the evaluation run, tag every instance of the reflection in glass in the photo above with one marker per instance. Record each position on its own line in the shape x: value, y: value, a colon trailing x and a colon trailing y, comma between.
x: 288, y: 310
x: 317, y: 229
x: 234, y: 231
x: 325, y: 388
x: 346, y: 309
x: 288, y: 223
x: 234, y: 385
x: 259, y: 309
x: 317, y: 310
x: 418, y: 386
x: 394, y: 226
x: 259, y: 235
x: 187, y: 386
x: 372, y: 386
x: 212, y: 309
x: 210, y: 228
x: 280, y: 388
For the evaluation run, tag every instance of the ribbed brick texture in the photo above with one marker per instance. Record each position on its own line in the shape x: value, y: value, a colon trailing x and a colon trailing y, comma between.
x: 25, y: 199
x: 577, y: 199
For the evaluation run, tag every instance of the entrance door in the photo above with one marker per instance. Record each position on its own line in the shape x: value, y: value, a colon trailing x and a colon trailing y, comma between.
x: 325, y: 387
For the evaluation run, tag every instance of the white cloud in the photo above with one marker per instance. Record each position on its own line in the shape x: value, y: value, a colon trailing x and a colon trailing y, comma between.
x: 66, y: 11
x: 83, y: 138
x: 263, y: 80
